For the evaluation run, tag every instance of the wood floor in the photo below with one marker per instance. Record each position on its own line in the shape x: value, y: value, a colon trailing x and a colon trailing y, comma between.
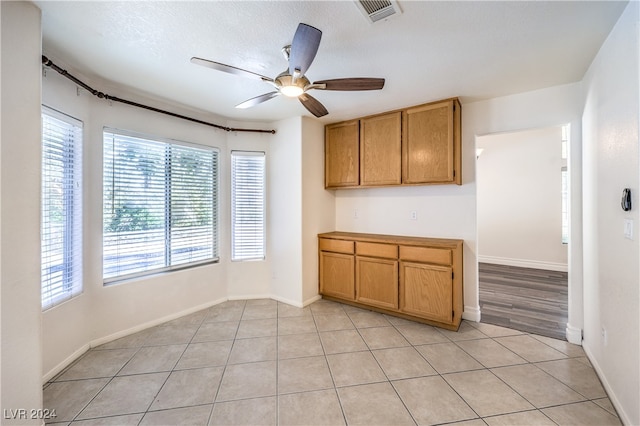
x: 531, y: 300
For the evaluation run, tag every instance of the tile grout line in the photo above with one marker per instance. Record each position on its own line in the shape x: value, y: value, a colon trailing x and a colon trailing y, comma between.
x: 326, y: 360
x: 502, y: 381
x: 111, y: 379
x: 224, y: 367
x: 171, y: 371
x: 457, y: 343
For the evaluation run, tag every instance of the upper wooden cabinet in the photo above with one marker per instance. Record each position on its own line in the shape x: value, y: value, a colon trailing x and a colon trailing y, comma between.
x: 431, y: 143
x: 380, y: 149
x: 341, y: 154
x: 414, y: 146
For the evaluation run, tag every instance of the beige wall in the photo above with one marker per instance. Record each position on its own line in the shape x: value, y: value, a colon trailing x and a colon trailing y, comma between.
x: 318, y: 205
x: 21, y: 348
x: 519, y: 199
x: 610, y: 164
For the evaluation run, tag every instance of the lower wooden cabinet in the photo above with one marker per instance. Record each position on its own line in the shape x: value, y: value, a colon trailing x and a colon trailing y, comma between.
x: 411, y: 277
x: 426, y: 290
x: 336, y: 275
x: 377, y: 282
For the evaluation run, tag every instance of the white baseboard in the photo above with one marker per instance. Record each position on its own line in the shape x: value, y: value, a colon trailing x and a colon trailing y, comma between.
x: 249, y: 296
x: 296, y: 303
x: 313, y: 299
x: 524, y: 263
x: 287, y: 301
x: 624, y: 417
x: 471, y: 313
x: 573, y: 334
x: 123, y: 333
x: 71, y: 358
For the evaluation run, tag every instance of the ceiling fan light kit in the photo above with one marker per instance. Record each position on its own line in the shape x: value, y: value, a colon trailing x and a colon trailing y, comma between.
x: 292, y: 82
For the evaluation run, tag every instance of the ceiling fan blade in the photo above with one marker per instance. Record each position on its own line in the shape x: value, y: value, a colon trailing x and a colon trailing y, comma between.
x: 229, y: 69
x: 303, y: 48
x: 313, y: 105
x: 352, y: 84
x: 257, y: 100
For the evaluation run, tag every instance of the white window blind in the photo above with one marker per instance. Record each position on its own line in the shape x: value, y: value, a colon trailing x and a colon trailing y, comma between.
x: 565, y: 184
x: 565, y: 207
x: 247, y: 205
x: 160, y: 208
x: 61, y: 204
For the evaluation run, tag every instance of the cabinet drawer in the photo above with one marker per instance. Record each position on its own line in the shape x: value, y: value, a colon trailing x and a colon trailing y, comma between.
x: 426, y: 254
x: 338, y: 246
x: 388, y: 251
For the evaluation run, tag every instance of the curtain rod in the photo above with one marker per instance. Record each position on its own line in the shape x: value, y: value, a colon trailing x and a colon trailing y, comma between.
x: 48, y: 63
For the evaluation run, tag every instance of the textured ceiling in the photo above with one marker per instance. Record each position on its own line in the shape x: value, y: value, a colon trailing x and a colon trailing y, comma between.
x: 433, y: 50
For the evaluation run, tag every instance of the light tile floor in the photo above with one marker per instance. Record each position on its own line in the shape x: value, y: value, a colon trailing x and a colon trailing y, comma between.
x: 263, y: 362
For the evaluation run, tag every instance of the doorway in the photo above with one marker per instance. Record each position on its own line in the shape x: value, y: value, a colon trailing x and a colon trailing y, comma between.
x: 523, y: 227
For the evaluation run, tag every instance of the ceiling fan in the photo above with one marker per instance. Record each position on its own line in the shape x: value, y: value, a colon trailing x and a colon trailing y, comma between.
x: 292, y: 82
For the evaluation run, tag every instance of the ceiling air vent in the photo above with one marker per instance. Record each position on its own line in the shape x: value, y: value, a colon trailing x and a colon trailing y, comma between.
x: 375, y: 10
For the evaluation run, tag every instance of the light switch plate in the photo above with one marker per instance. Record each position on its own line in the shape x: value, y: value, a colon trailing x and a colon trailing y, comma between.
x: 628, y: 229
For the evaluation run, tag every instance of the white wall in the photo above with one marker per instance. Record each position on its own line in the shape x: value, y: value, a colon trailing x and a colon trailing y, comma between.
x: 550, y: 107
x: 519, y: 199
x: 611, y: 273
x: 121, y: 308
x: 285, y: 216
x: 21, y: 348
x: 449, y: 211
x: 250, y: 279
x: 443, y: 211
x: 300, y: 209
x: 318, y: 205
x: 611, y: 162
x: 1, y: 404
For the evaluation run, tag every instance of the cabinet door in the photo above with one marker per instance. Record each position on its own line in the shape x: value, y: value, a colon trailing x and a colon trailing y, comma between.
x: 380, y: 149
x: 341, y: 154
x: 426, y: 291
x: 337, y: 275
x: 428, y: 144
x: 377, y: 282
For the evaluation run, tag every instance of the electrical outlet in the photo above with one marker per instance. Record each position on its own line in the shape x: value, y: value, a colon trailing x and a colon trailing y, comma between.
x: 604, y: 336
x: 355, y: 213
x: 414, y: 215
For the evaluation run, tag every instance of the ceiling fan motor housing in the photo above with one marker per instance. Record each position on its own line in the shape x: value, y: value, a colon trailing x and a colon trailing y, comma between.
x: 292, y: 82
x: 290, y: 86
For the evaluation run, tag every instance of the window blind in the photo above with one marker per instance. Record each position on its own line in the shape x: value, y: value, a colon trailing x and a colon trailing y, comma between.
x: 247, y: 205
x: 61, y: 208
x: 565, y: 183
x: 160, y: 208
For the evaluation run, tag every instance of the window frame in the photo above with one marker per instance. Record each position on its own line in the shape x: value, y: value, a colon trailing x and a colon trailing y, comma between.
x: 565, y: 182
x: 168, y: 144
x: 263, y: 249
x: 72, y: 198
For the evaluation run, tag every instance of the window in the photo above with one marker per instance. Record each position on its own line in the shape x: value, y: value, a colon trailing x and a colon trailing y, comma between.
x: 565, y: 185
x: 61, y: 204
x: 160, y: 208
x: 247, y: 205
